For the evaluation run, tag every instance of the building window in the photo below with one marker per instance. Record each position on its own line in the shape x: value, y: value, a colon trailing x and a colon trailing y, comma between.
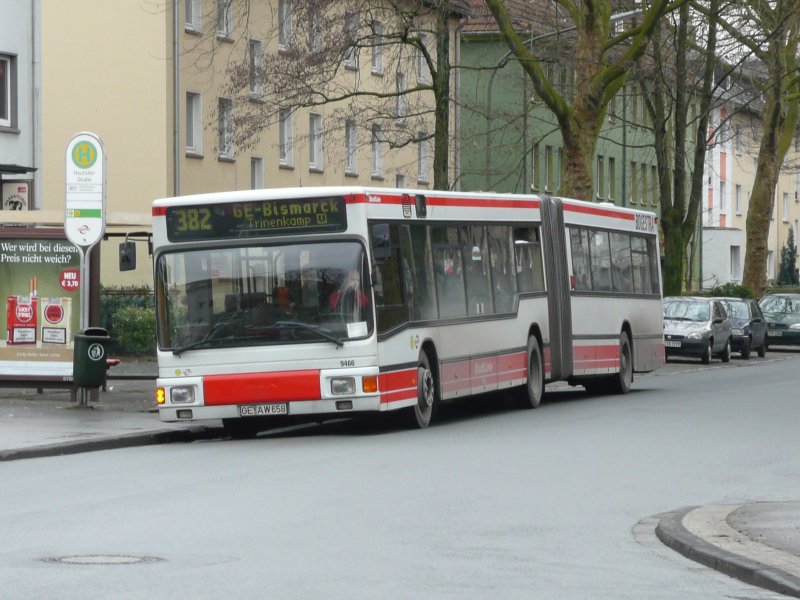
x: 785, y: 207
x: 655, y: 188
x: 6, y: 91
x: 285, y: 141
x: 256, y: 173
x: 536, y: 169
x: 402, y: 99
x: 284, y: 24
x: 422, y: 159
x: 601, y: 177
x: 314, y: 30
x: 377, y: 48
x: 612, y: 178
x: 224, y: 18
x: 194, y: 124
x: 315, y: 161
x: 548, y: 169
x: 423, y: 72
x: 351, y: 31
x: 736, y: 262
x: 225, y: 122
x: 738, y: 199
x: 738, y: 140
x: 634, y: 182
x: 377, y: 152
x: 645, y: 184
x: 770, y: 264
x: 256, y: 68
x: 399, y: 180
x: 723, y: 197
x: 350, y: 148
x: 192, y: 15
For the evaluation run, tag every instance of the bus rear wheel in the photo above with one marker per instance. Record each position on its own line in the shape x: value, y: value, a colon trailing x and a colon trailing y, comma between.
x: 531, y: 395
x: 621, y: 383
x: 427, y: 405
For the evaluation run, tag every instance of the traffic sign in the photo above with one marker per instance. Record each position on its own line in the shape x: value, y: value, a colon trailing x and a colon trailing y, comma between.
x: 85, y: 193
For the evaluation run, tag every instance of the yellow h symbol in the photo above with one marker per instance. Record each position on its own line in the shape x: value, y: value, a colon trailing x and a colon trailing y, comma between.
x: 84, y: 155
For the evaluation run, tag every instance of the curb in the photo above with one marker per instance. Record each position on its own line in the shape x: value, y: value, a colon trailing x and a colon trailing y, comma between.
x: 129, y: 440
x: 672, y: 533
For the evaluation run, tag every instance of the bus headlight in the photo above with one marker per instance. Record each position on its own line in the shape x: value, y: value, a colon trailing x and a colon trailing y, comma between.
x: 342, y: 386
x: 182, y: 395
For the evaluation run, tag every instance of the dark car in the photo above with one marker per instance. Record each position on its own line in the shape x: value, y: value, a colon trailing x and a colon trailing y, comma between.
x: 782, y: 312
x: 697, y: 327
x: 748, y: 327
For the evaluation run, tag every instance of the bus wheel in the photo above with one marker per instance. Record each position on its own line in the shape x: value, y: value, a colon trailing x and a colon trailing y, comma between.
x: 531, y: 396
x: 426, y: 406
x: 622, y: 381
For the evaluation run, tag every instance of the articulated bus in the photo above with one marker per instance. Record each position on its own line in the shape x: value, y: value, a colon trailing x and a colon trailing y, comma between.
x: 337, y: 301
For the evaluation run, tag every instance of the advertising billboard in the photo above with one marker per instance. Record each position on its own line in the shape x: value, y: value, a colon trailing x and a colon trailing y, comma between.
x: 40, y: 285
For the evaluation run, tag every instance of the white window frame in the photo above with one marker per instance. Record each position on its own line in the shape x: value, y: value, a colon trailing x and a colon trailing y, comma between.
x: 402, y: 99
x: 399, y: 180
x: 284, y: 24
x: 377, y: 48
x: 225, y: 19
x: 351, y: 32
x: 376, y: 145
x: 723, y: 197
x: 225, y: 128
x: 423, y: 73
x: 738, y: 199
x: 316, y: 160
x: 6, y: 111
x: 350, y: 148
x: 285, y: 138
x: 770, y: 264
x: 314, y: 29
x: 256, y: 173
x: 192, y: 16
x: 423, y: 162
x: 256, y: 67
x: 736, y: 262
x: 194, y: 123
x: 785, y: 207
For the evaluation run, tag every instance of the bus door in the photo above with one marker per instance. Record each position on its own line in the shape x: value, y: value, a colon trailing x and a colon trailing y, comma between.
x: 558, y: 289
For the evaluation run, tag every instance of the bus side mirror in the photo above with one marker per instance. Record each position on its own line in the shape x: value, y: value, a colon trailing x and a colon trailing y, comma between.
x: 127, y: 256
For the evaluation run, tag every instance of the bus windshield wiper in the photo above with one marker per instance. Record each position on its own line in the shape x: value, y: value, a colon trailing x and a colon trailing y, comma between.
x: 314, y: 328
x: 209, y: 337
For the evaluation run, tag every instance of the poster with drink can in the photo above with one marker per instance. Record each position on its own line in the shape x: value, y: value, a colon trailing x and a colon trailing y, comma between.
x: 40, y: 283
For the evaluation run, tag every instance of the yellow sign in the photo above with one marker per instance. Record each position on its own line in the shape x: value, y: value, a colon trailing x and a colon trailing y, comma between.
x: 84, y: 154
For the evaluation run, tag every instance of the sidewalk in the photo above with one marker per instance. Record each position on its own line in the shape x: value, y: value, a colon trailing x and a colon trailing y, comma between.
x: 48, y: 423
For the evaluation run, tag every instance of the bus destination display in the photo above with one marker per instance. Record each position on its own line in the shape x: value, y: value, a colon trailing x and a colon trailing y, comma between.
x: 256, y: 218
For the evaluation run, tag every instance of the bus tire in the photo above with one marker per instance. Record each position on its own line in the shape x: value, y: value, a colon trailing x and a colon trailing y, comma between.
x: 531, y: 395
x: 424, y: 411
x: 621, y: 382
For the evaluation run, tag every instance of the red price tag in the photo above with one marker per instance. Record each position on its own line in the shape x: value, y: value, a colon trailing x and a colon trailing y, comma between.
x: 70, y: 280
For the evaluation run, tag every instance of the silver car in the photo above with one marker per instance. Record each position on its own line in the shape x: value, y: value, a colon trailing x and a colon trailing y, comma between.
x: 696, y: 327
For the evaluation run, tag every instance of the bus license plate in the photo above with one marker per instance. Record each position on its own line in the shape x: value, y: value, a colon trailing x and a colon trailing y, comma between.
x: 673, y: 344
x: 263, y: 410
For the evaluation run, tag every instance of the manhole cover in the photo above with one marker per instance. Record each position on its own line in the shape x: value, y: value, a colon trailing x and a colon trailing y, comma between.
x: 103, y: 559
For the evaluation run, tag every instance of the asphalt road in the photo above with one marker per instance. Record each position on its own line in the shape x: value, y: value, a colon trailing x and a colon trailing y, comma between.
x: 490, y: 503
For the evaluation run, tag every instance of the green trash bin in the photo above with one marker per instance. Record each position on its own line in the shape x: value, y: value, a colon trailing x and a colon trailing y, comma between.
x: 89, y: 357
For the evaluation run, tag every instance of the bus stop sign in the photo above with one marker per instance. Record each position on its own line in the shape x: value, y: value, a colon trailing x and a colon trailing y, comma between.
x: 85, y: 217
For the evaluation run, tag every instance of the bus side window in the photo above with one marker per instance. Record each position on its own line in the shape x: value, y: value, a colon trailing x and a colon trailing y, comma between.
x: 621, y: 272
x: 448, y: 272
x: 600, y: 257
x: 390, y: 304
x: 504, y: 284
x: 642, y: 280
x: 476, y: 258
x: 579, y: 244
x: 418, y: 256
x: 528, y: 259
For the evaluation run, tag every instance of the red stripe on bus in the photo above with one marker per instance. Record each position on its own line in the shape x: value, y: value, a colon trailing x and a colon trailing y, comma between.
x: 397, y: 385
x: 397, y: 397
x: 248, y: 388
x: 439, y: 201
x: 159, y: 211
x: 600, y: 212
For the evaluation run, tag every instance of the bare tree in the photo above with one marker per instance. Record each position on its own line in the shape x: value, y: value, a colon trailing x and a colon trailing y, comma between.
x: 604, y: 52
x: 383, y: 66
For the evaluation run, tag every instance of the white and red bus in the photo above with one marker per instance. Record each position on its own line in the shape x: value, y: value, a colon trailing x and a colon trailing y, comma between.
x: 341, y: 300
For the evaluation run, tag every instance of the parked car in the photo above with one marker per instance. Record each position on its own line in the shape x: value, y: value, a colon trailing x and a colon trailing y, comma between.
x: 697, y: 327
x: 748, y: 327
x: 782, y: 312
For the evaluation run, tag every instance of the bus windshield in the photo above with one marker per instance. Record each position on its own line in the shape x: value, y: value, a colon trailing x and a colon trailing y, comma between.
x: 263, y: 294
